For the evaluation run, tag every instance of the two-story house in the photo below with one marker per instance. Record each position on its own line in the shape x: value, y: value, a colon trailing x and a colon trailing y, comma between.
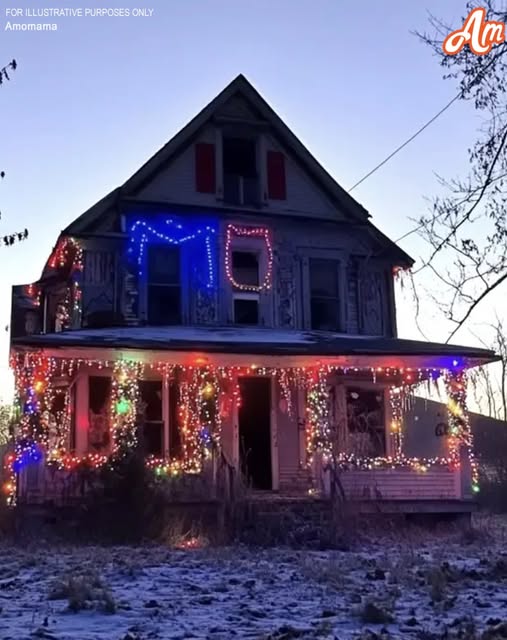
x: 231, y: 297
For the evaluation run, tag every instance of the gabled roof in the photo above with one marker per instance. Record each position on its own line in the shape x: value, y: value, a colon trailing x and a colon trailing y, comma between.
x: 239, y: 86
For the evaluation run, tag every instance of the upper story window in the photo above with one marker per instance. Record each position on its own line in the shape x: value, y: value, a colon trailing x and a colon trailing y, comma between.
x: 245, y: 270
x: 249, y: 269
x: 245, y: 267
x: 241, y: 180
x: 325, y: 294
x: 163, y: 285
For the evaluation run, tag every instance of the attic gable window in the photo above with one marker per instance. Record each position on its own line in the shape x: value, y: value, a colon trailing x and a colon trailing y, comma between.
x: 241, y: 180
x: 164, y: 285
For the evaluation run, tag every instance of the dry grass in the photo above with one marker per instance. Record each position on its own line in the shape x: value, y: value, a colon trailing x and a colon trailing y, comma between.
x: 83, y: 590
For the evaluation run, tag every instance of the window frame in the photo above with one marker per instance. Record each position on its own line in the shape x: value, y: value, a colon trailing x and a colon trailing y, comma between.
x: 340, y: 258
x: 258, y: 255
x: 376, y: 388
x: 246, y: 295
x: 147, y: 284
x: 265, y: 297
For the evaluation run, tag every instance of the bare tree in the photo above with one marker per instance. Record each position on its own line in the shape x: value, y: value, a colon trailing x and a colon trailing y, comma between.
x: 11, y: 238
x: 490, y: 384
x: 466, y: 230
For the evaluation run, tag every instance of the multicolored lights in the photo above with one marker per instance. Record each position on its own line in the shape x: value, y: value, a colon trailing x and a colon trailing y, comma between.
x: 249, y: 232
x: 206, y: 395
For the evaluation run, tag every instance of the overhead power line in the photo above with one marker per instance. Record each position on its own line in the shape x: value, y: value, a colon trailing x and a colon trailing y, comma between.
x: 408, y: 141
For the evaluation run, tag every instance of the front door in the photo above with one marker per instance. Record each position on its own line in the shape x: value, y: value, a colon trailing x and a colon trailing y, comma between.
x: 254, y: 426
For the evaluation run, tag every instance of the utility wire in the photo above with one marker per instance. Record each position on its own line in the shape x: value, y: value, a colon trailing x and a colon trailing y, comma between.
x: 458, y: 96
x: 402, y: 146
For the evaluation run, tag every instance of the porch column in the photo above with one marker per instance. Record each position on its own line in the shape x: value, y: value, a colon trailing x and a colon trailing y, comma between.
x: 124, y: 404
x: 460, y: 434
x: 395, y: 415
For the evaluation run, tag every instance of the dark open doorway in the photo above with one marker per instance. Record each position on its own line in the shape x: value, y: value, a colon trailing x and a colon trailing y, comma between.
x: 255, y: 431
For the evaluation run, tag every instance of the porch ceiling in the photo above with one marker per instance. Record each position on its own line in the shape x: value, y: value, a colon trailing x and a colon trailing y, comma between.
x: 296, y: 348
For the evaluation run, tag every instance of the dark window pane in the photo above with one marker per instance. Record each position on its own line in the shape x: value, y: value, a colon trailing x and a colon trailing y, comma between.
x: 246, y: 311
x: 163, y: 264
x: 174, y: 430
x: 324, y: 278
x: 239, y: 157
x: 324, y: 291
x: 366, y: 421
x: 245, y: 267
x: 99, y: 390
x: 325, y: 314
x: 150, y: 392
x: 153, y: 439
x: 164, y: 305
x: 99, y: 397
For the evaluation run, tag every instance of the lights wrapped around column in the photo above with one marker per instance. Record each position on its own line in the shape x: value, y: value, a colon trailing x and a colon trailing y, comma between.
x: 318, y: 435
x: 396, y: 400
x: 460, y: 432
x: 124, y: 401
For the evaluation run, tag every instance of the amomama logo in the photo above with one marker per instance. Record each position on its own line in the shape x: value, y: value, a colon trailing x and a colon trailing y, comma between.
x: 480, y: 34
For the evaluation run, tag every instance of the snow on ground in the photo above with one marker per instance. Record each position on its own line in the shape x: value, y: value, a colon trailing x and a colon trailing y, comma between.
x: 412, y: 585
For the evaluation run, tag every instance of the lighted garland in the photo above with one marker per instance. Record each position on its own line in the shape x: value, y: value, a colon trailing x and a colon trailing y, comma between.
x: 318, y: 435
x: 396, y: 400
x: 171, y: 232
x: 68, y: 254
x: 460, y: 432
x: 124, y: 402
x: 248, y: 232
x: 201, y: 393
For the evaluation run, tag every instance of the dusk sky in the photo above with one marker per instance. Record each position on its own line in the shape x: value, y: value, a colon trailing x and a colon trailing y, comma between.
x: 94, y: 100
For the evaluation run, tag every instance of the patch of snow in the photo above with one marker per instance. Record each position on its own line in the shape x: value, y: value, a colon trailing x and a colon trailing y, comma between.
x: 243, y: 593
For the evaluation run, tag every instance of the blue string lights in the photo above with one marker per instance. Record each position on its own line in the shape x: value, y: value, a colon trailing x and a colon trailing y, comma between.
x: 144, y: 231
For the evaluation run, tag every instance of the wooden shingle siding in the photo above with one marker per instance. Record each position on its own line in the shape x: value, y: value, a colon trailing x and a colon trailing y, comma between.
x: 402, y: 484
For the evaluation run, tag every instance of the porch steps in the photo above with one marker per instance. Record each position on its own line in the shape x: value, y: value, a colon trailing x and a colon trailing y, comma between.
x: 296, y: 481
x: 281, y: 518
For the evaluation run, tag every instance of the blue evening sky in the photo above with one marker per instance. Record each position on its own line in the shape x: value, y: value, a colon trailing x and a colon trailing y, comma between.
x: 92, y: 101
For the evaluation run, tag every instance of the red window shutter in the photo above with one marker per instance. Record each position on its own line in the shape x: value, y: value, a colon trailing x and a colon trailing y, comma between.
x: 276, y: 176
x: 205, y: 167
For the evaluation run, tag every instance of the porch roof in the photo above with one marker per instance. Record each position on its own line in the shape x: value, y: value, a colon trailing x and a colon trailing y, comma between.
x: 340, y: 348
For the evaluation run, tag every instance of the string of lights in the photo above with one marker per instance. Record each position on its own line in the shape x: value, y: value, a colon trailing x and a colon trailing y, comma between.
x: 172, y: 232
x: 207, y: 393
x: 248, y: 232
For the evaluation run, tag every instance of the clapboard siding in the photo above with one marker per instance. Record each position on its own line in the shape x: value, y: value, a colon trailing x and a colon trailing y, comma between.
x: 304, y: 197
x: 388, y: 484
x: 177, y: 183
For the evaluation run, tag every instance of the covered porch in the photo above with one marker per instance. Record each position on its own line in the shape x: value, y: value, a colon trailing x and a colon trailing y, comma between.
x: 278, y: 412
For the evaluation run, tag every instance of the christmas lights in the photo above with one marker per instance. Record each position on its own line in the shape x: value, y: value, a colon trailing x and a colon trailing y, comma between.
x: 460, y: 432
x: 207, y: 393
x: 174, y: 233
x: 124, y: 401
x: 248, y: 232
